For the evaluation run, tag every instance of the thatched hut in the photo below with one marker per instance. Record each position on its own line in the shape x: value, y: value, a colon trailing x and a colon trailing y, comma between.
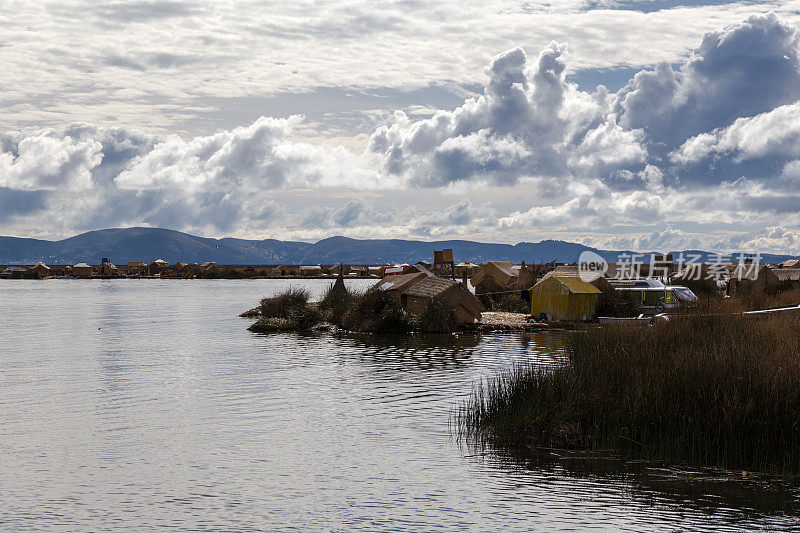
x: 454, y: 295
x: 310, y: 270
x: 137, y: 268
x: 399, y: 283
x: 158, y: 266
x: 494, y: 276
x: 752, y: 278
x: 466, y: 268
x: 789, y: 278
x: 210, y: 268
x: 82, y: 270
x: 564, y: 298
x: 40, y: 270
x: 525, y: 279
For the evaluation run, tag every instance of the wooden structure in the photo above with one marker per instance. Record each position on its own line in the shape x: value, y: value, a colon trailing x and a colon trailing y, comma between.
x: 443, y: 264
x: 494, y: 276
x: 564, y: 298
x: 465, y: 305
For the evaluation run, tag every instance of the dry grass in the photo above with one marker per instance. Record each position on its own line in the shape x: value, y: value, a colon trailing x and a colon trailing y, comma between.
x: 289, y: 310
x: 377, y: 312
x: 437, y: 318
x: 336, y: 303
x: 717, y: 390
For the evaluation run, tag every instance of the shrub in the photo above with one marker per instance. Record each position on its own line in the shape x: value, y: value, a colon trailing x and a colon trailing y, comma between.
x: 709, y: 390
x: 437, y: 318
x: 511, y: 302
x: 282, y: 305
x: 377, y: 312
x: 289, y: 310
x: 336, y: 302
x: 612, y: 302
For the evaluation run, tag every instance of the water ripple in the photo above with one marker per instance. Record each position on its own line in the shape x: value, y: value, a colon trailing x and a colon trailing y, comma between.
x: 147, y: 405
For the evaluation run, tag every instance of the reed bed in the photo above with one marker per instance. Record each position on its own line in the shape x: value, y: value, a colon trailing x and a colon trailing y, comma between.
x: 377, y: 312
x: 720, y: 390
x: 287, y: 311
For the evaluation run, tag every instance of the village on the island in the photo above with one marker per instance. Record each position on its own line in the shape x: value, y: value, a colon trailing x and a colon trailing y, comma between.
x: 495, y: 294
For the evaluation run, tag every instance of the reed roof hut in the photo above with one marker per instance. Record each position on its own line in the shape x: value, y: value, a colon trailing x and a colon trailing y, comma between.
x: 494, y: 276
x: 525, y: 279
x: 82, y: 270
x: 752, y: 278
x: 564, y: 298
x: 399, y: 283
x: 40, y: 270
x: 465, y: 305
x: 788, y: 277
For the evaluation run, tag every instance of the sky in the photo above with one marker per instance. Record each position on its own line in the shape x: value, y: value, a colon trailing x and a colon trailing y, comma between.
x: 630, y: 124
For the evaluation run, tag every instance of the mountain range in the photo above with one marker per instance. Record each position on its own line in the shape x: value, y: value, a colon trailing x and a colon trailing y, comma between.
x: 121, y: 245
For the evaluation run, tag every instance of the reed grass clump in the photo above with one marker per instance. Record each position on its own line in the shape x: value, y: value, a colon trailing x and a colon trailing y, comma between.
x: 336, y: 302
x: 377, y: 312
x: 289, y: 310
x: 438, y: 317
x: 718, y: 390
x: 511, y: 302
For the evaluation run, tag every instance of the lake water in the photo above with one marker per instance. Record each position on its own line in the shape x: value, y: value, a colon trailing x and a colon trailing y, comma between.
x: 144, y: 404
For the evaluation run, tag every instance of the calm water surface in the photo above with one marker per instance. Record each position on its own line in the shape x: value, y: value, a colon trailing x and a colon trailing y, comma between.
x: 142, y: 404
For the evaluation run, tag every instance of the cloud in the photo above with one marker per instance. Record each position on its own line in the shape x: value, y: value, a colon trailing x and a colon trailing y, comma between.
x: 774, y: 134
x: 15, y: 203
x: 746, y: 69
x: 40, y: 160
x: 677, y: 147
x: 530, y: 122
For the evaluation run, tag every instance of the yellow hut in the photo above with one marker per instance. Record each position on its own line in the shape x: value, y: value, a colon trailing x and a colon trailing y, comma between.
x: 564, y: 298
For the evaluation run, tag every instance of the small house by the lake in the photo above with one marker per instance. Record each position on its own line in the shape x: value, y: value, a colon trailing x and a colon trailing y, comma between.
x: 564, y: 298
x: 454, y: 295
x: 82, y: 270
x: 494, y: 276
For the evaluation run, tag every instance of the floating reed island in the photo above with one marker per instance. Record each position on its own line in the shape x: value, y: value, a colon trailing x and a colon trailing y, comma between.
x: 436, y: 306
x: 710, y: 390
x: 373, y: 311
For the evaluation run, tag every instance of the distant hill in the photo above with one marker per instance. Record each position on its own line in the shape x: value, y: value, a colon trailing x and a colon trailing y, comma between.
x: 147, y: 244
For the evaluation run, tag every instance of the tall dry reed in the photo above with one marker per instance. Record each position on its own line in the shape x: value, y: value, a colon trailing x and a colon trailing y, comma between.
x: 718, y: 390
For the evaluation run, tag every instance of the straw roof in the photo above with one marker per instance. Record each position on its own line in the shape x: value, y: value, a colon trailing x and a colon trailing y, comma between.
x: 462, y: 301
x: 502, y: 271
x: 573, y: 284
x: 430, y: 287
x: 787, y: 274
x: 399, y: 282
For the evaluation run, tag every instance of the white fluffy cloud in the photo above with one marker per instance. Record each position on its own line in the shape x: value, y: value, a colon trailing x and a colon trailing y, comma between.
x: 530, y: 122
x: 40, y: 160
x: 774, y: 134
x: 713, y: 141
x: 742, y: 70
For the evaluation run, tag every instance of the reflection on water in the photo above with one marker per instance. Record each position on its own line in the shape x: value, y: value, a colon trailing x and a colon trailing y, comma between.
x: 137, y: 404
